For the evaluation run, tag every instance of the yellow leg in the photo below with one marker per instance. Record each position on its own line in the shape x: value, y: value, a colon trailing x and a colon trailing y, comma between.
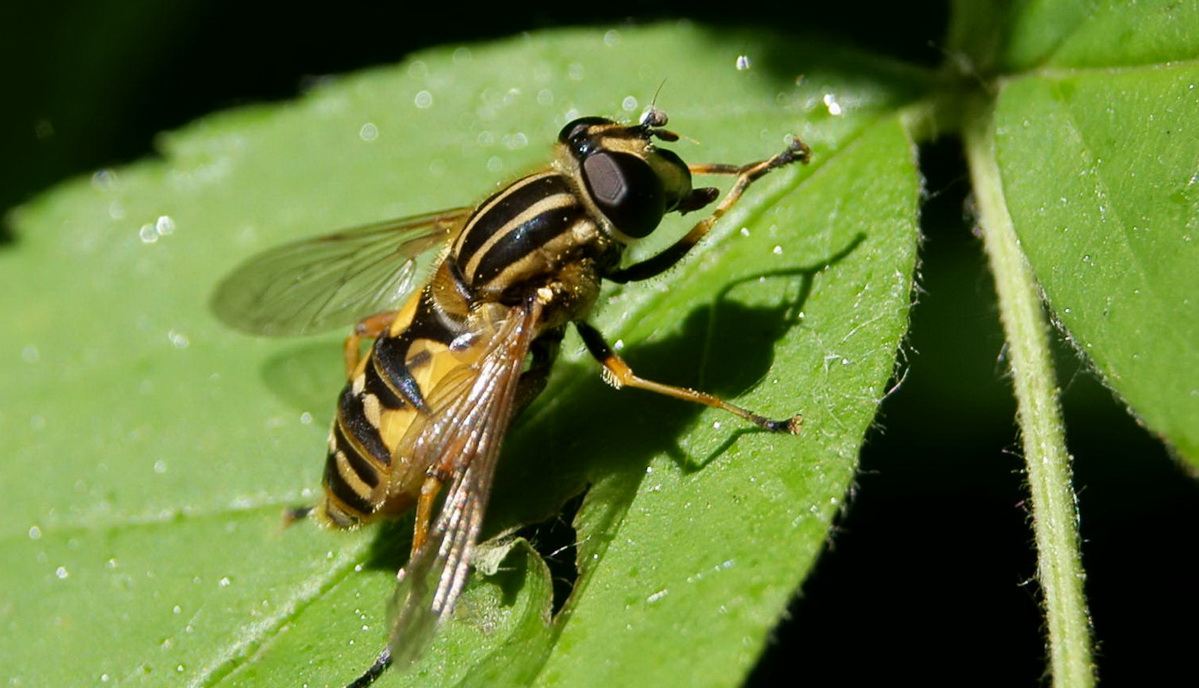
x: 621, y: 375
x: 429, y: 490
x: 367, y: 328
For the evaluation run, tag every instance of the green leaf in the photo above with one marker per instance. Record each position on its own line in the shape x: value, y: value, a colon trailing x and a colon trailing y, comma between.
x: 151, y: 450
x: 1101, y: 33
x: 1017, y: 37
x: 1100, y: 174
x: 1082, y: 174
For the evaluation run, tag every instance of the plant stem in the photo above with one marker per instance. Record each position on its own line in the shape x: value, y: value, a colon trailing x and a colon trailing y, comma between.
x: 1054, y: 508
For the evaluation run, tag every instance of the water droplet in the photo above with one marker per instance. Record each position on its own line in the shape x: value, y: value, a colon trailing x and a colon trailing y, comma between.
x: 61, y: 572
x: 306, y: 418
x: 777, y: 250
x: 462, y: 55
x: 745, y: 231
x: 629, y: 104
x: 160, y: 466
x: 494, y: 164
x: 743, y: 63
x: 179, y: 339
x: 575, y: 71
x: 545, y: 97
x: 418, y: 70
x: 830, y: 102
x: 368, y: 132
x: 516, y: 141
x: 612, y: 37
x: 116, y: 211
x: 147, y: 234
x: 164, y: 225
x: 103, y: 179
x: 224, y: 582
x: 423, y: 100
x: 35, y: 533
x: 30, y: 354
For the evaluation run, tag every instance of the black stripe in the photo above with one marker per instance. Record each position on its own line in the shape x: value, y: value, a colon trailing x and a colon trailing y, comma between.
x: 511, y: 202
x: 341, y: 490
x: 460, y: 285
x: 389, y: 398
x: 365, y: 471
x: 352, y: 422
x: 430, y: 322
x: 389, y: 378
x: 524, y: 239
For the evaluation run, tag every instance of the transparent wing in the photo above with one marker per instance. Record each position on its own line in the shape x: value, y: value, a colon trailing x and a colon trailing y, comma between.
x: 331, y: 281
x: 475, y: 406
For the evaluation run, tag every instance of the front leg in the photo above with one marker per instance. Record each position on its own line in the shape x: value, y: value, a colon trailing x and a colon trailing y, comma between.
x: 798, y: 151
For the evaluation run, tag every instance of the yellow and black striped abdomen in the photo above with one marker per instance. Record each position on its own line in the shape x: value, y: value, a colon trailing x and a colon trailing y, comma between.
x: 384, y: 397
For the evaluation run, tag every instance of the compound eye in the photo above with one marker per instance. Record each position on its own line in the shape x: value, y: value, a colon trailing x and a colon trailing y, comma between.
x: 627, y: 191
x: 579, y: 128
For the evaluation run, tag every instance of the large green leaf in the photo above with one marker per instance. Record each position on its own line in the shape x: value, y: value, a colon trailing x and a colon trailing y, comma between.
x: 1100, y: 157
x: 151, y: 450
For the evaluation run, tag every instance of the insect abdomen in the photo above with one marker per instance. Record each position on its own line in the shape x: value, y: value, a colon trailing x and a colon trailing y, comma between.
x: 375, y: 410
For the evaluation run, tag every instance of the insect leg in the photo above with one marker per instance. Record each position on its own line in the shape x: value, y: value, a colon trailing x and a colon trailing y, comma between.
x: 542, y: 354
x: 368, y: 677
x: 367, y: 328
x: 798, y: 151
x: 619, y: 374
x: 296, y: 513
x: 429, y: 490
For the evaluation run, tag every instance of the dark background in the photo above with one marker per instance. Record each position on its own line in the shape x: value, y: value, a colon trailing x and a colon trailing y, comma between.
x: 928, y: 576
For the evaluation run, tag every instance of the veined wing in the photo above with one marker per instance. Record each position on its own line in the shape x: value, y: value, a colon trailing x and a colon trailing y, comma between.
x: 474, y: 407
x: 317, y: 284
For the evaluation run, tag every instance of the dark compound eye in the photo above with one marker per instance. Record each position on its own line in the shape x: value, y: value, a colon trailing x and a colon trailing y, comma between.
x: 626, y: 190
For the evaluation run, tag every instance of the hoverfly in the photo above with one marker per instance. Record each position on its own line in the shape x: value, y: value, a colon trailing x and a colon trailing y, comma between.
x: 427, y: 407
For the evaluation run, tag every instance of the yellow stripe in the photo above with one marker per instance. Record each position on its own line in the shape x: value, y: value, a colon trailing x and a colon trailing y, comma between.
x: 554, y: 202
x: 350, y: 476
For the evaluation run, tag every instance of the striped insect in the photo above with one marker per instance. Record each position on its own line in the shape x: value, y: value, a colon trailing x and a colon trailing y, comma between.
x: 427, y: 407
